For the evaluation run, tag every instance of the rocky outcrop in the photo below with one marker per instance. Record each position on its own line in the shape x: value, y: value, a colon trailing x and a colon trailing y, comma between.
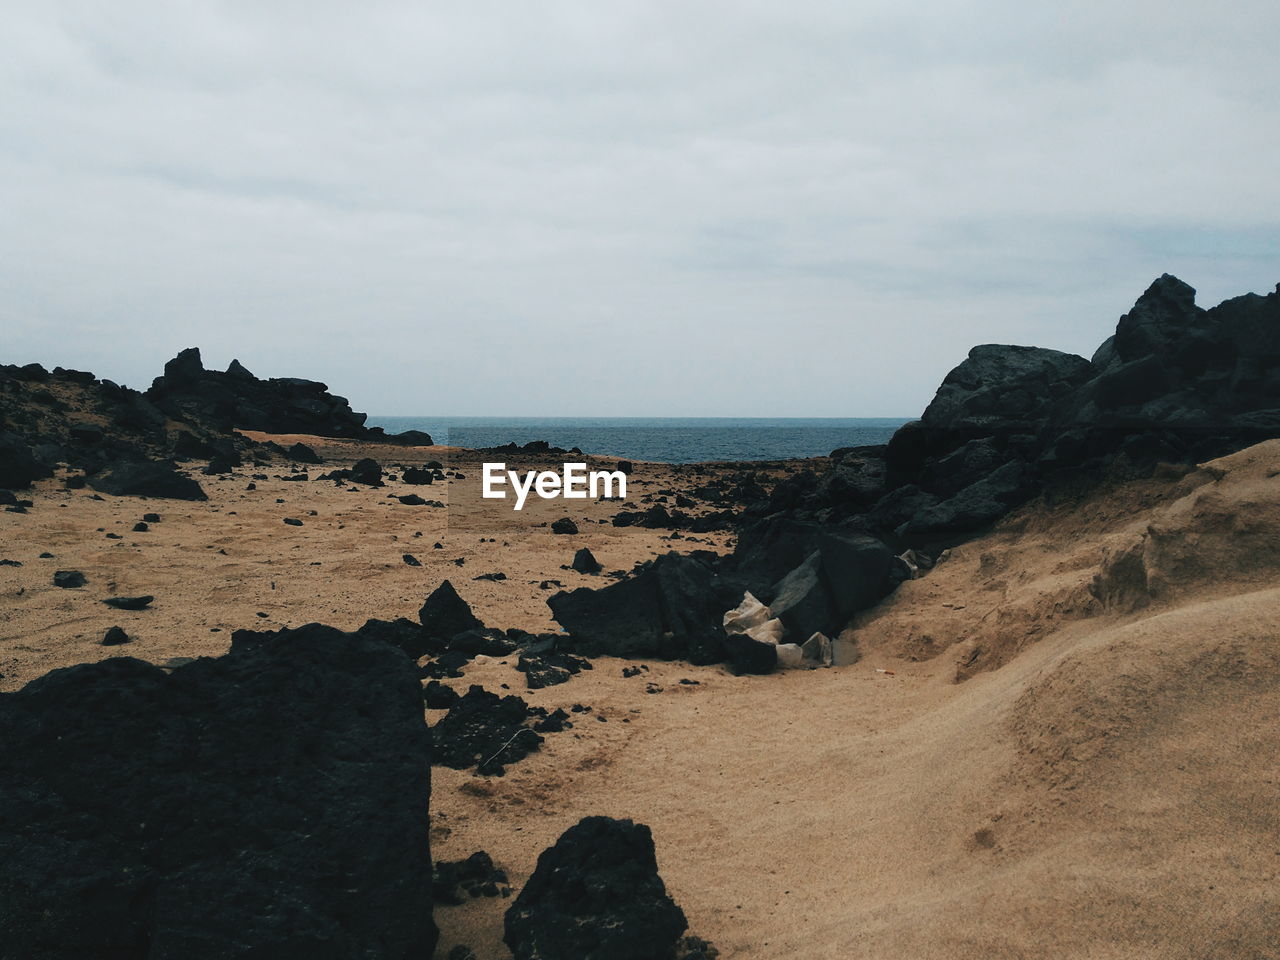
x: 236, y: 398
x: 670, y: 608
x: 1176, y: 383
x: 146, y: 478
x: 596, y: 895
x: 269, y: 803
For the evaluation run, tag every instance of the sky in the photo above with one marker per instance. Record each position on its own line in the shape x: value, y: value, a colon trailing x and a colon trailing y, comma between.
x: 622, y: 208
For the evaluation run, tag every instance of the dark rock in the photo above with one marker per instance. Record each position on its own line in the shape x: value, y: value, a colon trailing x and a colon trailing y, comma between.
x: 218, y: 466
x: 115, y: 637
x: 485, y: 731
x: 141, y: 527
x: 437, y: 696
x: 415, y: 476
x: 269, y: 803
x: 146, y: 478
x: 18, y: 466
x: 549, y: 668
x: 481, y: 641
x: 411, y: 560
x: 457, y: 880
x: 68, y: 579
x: 412, y: 500
x: 367, y: 471
x: 412, y: 438
x: 673, y: 608
x: 293, y: 521
x: 585, y: 562
x: 401, y: 633
x: 596, y: 895
x: 746, y: 655
x: 564, y: 525
x: 129, y: 603
x: 301, y: 453
x: 444, y: 614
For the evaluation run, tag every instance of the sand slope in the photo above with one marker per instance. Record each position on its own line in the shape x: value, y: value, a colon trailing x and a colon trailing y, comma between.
x: 1102, y: 783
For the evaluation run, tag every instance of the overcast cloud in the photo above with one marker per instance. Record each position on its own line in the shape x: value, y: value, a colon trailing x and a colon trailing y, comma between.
x: 616, y: 208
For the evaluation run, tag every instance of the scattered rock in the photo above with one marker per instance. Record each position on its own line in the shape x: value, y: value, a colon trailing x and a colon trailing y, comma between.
x: 129, y: 603
x: 585, y: 562
x: 68, y: 579
x: 485, y: 731
x: 564, y: 525
x: 116, y: 636
x: 457, y: 880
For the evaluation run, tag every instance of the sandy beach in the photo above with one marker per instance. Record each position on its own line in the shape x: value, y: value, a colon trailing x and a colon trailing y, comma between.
x: 1034, y: 753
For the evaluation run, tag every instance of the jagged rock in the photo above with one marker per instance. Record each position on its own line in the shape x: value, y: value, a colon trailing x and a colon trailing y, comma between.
x: 670, y: 609
x: 301, y: 453
x: 485, y: 731
x: 415, y: 476
x: 115, y: 636
x: 146, y: 478
x: 564, y: 525
x: 437, y: 696
x: 444, y: 614
x: 269, y: 803
x: 596, y: 895
x: 585, y: 562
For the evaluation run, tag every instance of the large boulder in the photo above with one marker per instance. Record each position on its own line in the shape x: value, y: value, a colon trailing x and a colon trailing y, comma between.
x: 18, y: 466
x: 671, y: 609
x: 269, y: 803
x: 146, y: 478
x: 596, y: 895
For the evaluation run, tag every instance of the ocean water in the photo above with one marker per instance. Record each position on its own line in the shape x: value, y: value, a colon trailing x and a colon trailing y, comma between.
x: 659, y: 439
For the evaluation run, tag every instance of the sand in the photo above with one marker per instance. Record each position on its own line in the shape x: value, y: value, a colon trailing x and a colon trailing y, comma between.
x: 1074, y: 754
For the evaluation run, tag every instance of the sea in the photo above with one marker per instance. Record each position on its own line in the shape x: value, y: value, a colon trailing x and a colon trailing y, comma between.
x: 660, y: 439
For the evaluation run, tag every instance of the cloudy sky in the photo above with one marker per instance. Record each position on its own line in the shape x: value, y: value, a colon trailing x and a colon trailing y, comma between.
x: 622, y: 208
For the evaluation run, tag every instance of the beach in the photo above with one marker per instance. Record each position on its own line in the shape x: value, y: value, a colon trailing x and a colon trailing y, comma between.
x: 1109, y: 760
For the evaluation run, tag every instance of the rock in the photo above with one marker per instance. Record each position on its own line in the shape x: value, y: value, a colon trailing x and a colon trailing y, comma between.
x: 218, y: 466
x: 437, y: 696
x: 746, y: 655
x: 268, y: 803
x: 141, y: 527
x: 412, y: 438
x: 549, y: 668
x: 564, y: 525
x: 293, y: 521
x: 412, y: 500
x: 68, y: 579
x: 411, y: 560
x: 481, y: 641
x: 221, y: 402
x: 457, y: 880
x: 129, y: 603
x: 18, y: 466
x: 415, y: 476
x: 585, y: 562
x: 444, y: 614
x: 116, y: 636
x: 596, y: 895
x: 146, y: 478
x: 670, y: 609
x: 301, y: 453
x: 367, y: 471
x: 485, y: 731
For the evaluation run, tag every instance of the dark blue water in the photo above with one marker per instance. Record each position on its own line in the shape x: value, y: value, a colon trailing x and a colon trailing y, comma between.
x: 659, y: 439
